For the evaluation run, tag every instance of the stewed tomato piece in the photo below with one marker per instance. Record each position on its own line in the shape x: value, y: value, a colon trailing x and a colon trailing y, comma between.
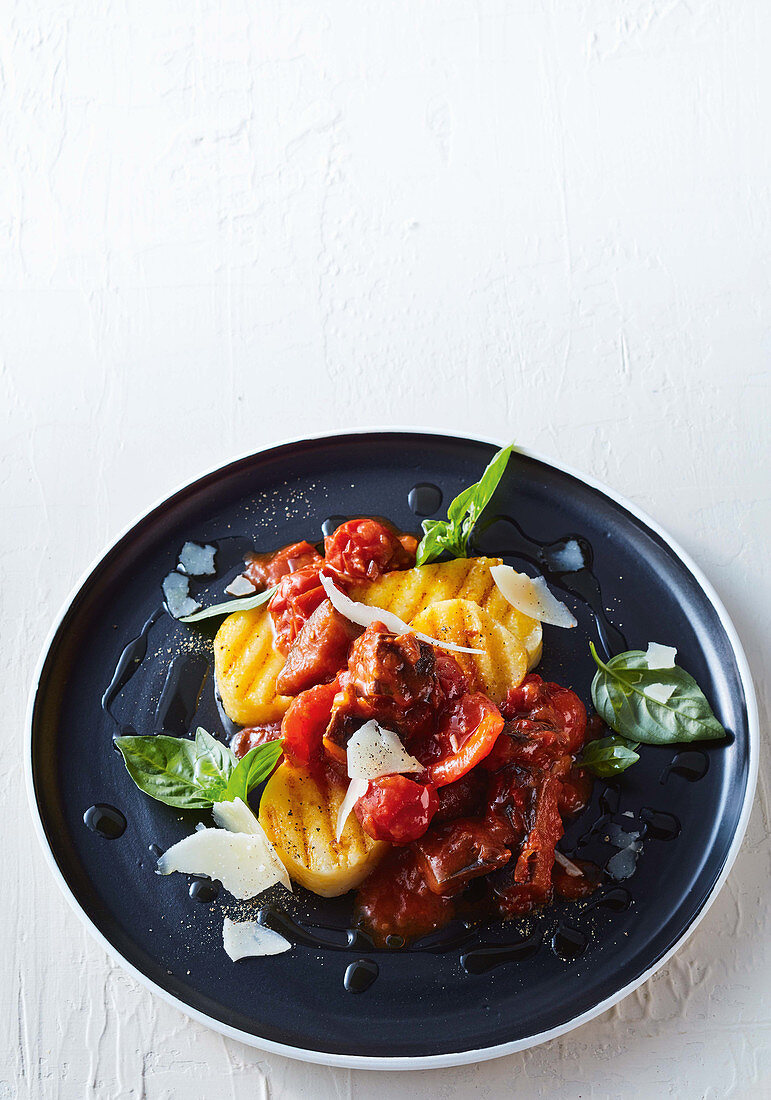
x: 465, y: 735
x: 296, y: 598
x: 365, y: 548
x: 265, y: 570
x: 303, y: 725
x: 247, y: 739
x: 396, y: 809
x: 538, y: 705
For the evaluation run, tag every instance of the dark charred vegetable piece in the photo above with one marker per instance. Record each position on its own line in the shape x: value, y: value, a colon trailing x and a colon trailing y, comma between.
x: 396, y: 809
x: 450, y: 855
x: 365, y: 548
x: 571, y: 887
x: 463, y: 798
x: 319, y: 651
x: 389, y: 678
x: 529, y: 884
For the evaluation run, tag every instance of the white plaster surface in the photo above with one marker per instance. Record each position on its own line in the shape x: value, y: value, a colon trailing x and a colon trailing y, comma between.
x: 225, y: 223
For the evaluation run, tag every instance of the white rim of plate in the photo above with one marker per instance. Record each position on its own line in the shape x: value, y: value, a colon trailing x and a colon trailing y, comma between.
x: 456, y: 1058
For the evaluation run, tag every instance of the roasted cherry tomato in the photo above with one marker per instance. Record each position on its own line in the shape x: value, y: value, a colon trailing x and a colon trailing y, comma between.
x: 294, y: 601
x: 250, y: 738
x: 396, y: 809
x: 548, y: 706
x: 466, y: 734
x: 302, y: 728
x: 265, y: 570
x: 364, y: 548
x: 451, y: 678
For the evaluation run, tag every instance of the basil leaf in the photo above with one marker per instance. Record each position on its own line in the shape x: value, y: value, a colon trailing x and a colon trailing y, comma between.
x: 164, y: 768
x: 609, y: 756
x: 618, y: 691
x: 482, y: 492
x: 452, y: 535
x: 248, y: 603
x: 436, y: 540
x: 214, y: 764
x: 251, y: 770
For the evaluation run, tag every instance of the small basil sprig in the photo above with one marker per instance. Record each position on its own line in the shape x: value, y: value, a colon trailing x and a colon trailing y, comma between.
x: 248, y: 603
x: 609, y: 756
x: 618, y: 692
x: 452, y: 535
x: 192, y: 775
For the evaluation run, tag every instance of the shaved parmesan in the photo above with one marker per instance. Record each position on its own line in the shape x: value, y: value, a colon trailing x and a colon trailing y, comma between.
x: 363, y: 615
x: 175, y: 591
x: 241, y: 861
x: 247, y: 938
x: 237, y: 817
x: 197, y: 561
x: 531, y: 596
x: 356, y: 789
x: 660, y: 656
x: 568, y: 558
x: 241, y: 586
x: 374, y: 751
x: 660, y: 693
x: 570, y: 867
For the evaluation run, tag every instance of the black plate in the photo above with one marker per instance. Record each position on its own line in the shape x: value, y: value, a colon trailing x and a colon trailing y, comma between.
x: 424, y: 1006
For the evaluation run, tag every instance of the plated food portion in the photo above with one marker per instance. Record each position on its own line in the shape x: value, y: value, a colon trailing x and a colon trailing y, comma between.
x: 396, y: 741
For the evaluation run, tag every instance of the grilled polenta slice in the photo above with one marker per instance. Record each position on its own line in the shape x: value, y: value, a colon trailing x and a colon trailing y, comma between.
x: 408, y: 592
x: 298, y: 811
x: 246, y: 666
x: 503, y: 662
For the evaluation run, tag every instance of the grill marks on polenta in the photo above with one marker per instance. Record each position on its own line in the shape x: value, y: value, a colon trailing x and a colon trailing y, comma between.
x: 298, y: 812
x: 411, y: 591
x: 246, y: 666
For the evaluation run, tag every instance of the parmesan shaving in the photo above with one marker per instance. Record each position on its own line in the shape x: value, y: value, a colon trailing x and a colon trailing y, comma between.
x: 237, y: 817
x: 245, y: 939
x: 660, y: 693
x: 660, y: 656
x: 175, y: 591
x: 197, y: 560
x: 241, y: 861
x: 531, y: 596
x: 374, y: 751
x: 241, y: 586
x: 356, y: 788
x: 363, y: 615
x: 570, y: 867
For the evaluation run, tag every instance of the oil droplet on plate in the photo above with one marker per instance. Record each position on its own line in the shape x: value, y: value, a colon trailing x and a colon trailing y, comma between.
x: 568, y: 943
x: 360, y: 975
x: 691, y: 765
x: 660, y: 825
x: 105, y: 820
x: 204, y: 889
x: 331, y: 524
x: 424, y: 498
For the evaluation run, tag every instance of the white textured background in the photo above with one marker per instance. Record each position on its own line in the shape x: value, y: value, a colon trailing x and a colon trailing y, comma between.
x: 225, y: 223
